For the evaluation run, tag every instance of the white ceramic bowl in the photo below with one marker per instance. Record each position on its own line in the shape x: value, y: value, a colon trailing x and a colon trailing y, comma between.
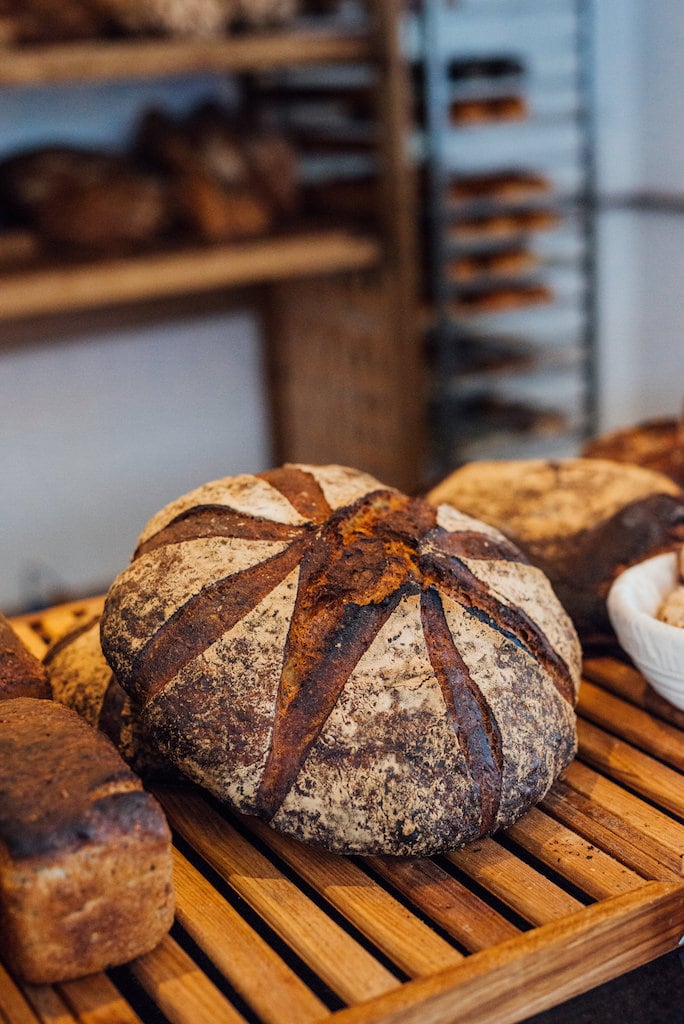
x: 656, y: 648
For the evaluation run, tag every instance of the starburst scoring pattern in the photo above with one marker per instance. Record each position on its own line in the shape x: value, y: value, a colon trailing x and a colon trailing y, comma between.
x: 358, y: 667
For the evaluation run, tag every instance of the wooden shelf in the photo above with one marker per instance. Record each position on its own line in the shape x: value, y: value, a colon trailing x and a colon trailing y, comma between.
x: 68, y: 287
x: 396, y: 454
x: 98, y: 60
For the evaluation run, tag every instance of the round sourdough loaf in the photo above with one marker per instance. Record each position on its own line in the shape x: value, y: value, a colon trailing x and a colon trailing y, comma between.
x: 364, y: 671
x: 582, y: 521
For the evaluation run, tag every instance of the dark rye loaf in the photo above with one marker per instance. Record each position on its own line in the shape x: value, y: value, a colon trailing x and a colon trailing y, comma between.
x: 85, y: 852
x: 360, y: 669
x: 582, y: 521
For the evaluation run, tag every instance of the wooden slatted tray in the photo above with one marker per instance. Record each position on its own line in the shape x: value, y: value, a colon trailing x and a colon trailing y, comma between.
x: 585, y: 887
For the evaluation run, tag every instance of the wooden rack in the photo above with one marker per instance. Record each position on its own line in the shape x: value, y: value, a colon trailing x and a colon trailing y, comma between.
x: 65, y: 288
x: 385, y: 257
x: 585, y: 887
x: 104, y: 59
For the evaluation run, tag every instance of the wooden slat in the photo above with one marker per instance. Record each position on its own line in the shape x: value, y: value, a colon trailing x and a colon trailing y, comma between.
x: 67, y: 288
x: 608, y: 826
x: 624, y: 680
x: 138, y: 58
x: 569, y: 855
x: 253, y: 968
x: 659, y: 836
x: 451, y: 905
x: 414, y: 947
x: 605, y: 830
x: 636, y: 770
x: 330, y: 952
x: 48, y: 1005
x: 14, y: 1009
x: 95, y: 1000
x: 180, y: 989
x: 539, y: 969
x: 651, y: 735
x: 530, y: 894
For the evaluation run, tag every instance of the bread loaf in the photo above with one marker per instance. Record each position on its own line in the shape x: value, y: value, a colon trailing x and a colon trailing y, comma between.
x: 21, y: 673
x: 365, y: 672
x: 672, y: 608
x: 81, y: 678
x: 85, y: 852
x: 83, y: 198
x: 582, y: 521
x: 656, y: 444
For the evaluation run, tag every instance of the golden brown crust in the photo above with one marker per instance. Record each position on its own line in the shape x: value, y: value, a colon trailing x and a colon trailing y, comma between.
x: 313, y: 676
x: 655, y: 444
x: 21, y: 673
x: 582, y: 521
x: 81, y: 679
x: 85, y: 853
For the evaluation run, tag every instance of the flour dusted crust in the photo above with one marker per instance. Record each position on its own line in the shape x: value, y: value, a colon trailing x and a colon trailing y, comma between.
x: 582, y: 521
x: 657, y: 444
x: 362, y: 670
x: 81, y: 679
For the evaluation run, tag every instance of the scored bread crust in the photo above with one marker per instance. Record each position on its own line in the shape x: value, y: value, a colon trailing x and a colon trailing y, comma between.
x: 363, y: 671
x: 582, y: 521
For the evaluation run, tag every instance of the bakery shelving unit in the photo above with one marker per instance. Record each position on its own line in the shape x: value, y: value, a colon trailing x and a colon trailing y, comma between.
x: 371, y: 415
x: 505, y: 140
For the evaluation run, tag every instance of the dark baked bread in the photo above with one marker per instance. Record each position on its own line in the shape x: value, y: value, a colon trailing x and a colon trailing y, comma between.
x: 83, y: 198
x: 656, y: 444
x: 21, y: 673
x: 362, y: 670
x: 582, y: 521
x: 85, y: 853
x: 81, y: 678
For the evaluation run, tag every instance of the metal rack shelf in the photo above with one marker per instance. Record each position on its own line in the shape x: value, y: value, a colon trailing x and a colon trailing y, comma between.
x: 548, y: 137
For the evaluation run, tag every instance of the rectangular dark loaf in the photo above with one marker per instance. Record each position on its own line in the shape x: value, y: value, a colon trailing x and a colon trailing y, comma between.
x: 85, y: 852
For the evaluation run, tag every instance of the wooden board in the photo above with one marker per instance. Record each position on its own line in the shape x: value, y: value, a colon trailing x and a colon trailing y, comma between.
x: 67, y: 287
x: 102, y: 59
x: 583, y: 888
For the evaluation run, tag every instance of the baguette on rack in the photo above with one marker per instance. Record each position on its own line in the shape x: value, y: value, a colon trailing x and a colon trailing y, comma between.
x: 85, y: 852
x: 363, y: 671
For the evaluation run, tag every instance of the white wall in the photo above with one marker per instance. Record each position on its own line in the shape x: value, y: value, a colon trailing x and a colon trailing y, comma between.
x: 640, y: 148
x: 99, y: 430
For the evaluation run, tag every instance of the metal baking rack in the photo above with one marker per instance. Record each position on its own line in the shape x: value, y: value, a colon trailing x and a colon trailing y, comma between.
x: 505, y: 267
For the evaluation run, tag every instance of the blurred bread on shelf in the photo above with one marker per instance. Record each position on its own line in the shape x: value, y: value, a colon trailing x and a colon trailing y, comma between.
x: 503, y: 225
x: 227, y: 180
x: 495, y: 263
x: 37, y: 21
x: 505, y: 186
x: 499, y: 299
x: 82, y: 198
x: 477, y: 111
